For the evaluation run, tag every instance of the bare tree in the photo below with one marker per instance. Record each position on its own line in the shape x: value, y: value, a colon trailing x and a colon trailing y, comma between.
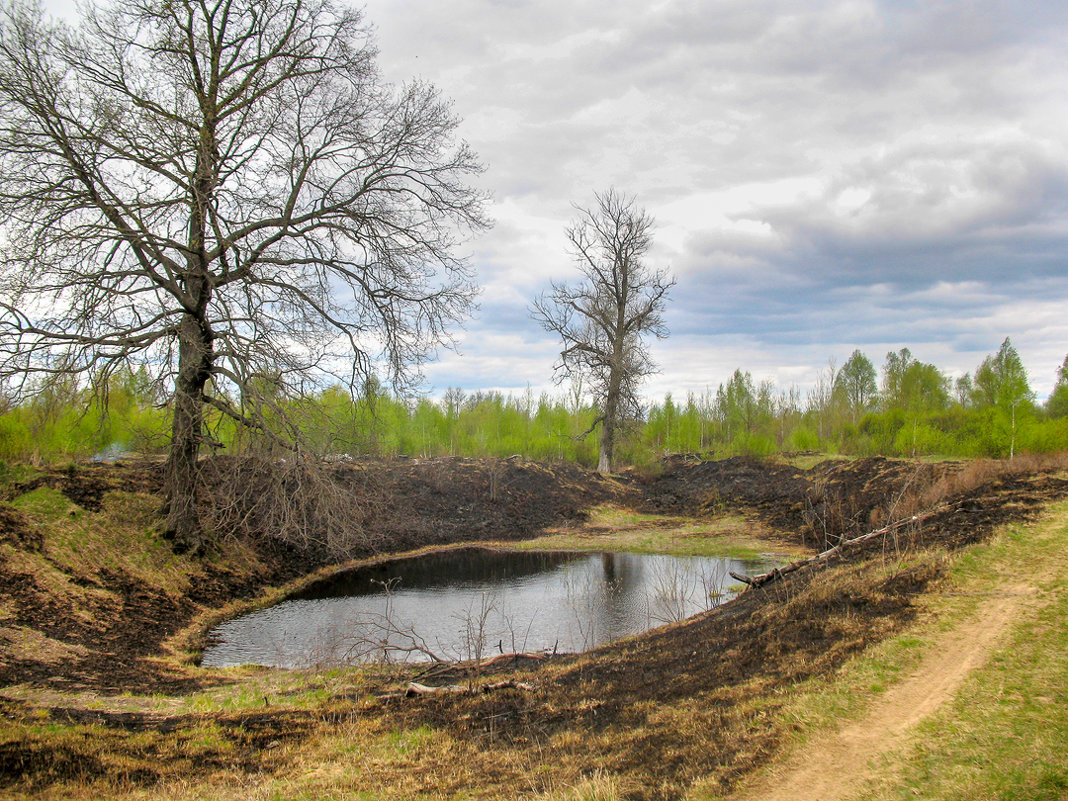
x: 605, y: 319
x: 227, y: 192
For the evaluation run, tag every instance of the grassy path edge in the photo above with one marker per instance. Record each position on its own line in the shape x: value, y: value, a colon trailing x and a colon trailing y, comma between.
x: 994, y: 636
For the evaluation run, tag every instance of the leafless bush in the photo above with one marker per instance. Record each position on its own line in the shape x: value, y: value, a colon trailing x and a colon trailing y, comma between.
x: 583, y: 601
x: 714, y: 585
x: 474, y: 632
x: 679, y: 593
x: 974, y: 474
x: 293, y: 498
x: 829, y: 515
x: 385, y: 638
x: 673, y: 592
x: 379, y: 637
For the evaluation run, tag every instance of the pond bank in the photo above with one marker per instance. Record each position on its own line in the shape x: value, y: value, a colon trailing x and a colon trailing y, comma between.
x: 693, y: 702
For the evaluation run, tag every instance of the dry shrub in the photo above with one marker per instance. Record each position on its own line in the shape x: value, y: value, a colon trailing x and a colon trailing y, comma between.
x: 296, y: 499
x: 831, y: 514
x: 953, y: 485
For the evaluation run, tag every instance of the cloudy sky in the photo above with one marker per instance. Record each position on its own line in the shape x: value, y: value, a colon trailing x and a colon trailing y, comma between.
x: 825, y: 174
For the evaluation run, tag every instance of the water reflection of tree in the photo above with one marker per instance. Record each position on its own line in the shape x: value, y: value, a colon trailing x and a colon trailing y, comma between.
x: 622, y: 592
x: 608, y: 563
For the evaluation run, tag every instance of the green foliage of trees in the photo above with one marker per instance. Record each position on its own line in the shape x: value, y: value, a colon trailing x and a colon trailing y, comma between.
x: 64, y: 420
x: 1057, y: 403
x: 913, y: 385
x: 913, y: 416
x: 856, y: 384
x: 1001, y: 379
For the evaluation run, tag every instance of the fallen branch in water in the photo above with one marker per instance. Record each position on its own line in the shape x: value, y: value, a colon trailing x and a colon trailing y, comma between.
x: 779, y: 572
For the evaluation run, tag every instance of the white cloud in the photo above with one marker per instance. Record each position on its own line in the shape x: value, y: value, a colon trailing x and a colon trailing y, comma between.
x: 825, y: 174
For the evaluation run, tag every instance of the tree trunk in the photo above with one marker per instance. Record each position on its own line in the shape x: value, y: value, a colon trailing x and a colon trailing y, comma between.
x: 611, y: 416
x: 604, y: 459
x: 195, y: 359
x: 182, y: 469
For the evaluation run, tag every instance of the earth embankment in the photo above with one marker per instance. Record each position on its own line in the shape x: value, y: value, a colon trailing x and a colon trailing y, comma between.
x: 92, y: 600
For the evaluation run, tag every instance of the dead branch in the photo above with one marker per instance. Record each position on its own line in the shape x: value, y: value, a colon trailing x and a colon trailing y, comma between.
x: 414, y: 688
x: 779, y: 572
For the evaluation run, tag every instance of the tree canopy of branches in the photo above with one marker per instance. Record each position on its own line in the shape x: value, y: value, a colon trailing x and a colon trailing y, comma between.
x: 605, y: 319
x: 227, y: 192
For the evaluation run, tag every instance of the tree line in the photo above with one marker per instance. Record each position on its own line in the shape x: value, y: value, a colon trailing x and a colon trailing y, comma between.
x: 908, y: 408
x: 913, y: 409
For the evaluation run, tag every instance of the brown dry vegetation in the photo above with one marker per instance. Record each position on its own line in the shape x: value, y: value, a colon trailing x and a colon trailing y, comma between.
x: 645, y: 718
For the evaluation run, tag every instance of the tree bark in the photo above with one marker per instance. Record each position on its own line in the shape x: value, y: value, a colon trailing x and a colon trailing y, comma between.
x: 621, y: 291
x: 608, y: 430
x: 195, y: 357
x: 182, y: 478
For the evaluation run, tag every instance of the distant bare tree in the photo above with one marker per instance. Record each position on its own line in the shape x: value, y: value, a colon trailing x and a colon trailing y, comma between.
x: 605, y: 319
x: 227, y: 192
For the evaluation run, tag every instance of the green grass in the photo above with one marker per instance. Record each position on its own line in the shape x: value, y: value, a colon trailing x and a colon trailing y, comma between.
x: 1005, y: 735
x: 613, y: 529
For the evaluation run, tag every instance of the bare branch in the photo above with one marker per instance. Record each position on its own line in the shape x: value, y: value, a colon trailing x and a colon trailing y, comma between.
x: 603, y: 320
x: 221, y: 190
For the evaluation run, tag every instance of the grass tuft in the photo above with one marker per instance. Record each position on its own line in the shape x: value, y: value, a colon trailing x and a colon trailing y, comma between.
x: 598, y: 786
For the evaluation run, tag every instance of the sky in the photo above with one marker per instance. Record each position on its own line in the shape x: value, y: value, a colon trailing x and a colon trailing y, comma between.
x: 825, y: 175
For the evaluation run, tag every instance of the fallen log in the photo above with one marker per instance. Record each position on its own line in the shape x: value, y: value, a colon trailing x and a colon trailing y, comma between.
x: 415, y: 688
x: 443, y: 669
x: 505, y: 658
x: 779, y: 572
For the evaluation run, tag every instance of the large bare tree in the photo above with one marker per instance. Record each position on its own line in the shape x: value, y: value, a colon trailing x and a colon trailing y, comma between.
x: 228, y: 192
x: 605, y: 319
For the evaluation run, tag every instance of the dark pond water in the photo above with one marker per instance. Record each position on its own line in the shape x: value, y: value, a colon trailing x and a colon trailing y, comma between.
x: 471, y: 602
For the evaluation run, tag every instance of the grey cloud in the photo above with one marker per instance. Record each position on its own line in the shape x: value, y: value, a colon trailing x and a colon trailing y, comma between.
x: 929, y: 132
x: 934, y: 211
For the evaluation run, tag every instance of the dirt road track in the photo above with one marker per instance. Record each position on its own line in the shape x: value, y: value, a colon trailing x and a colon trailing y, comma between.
x: 835, y: 765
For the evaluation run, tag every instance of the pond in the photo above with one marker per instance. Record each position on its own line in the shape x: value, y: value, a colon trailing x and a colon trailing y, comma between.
x: 470, y: 603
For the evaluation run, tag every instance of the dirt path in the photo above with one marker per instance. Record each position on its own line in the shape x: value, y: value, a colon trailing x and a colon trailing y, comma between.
x: 835, y: 765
